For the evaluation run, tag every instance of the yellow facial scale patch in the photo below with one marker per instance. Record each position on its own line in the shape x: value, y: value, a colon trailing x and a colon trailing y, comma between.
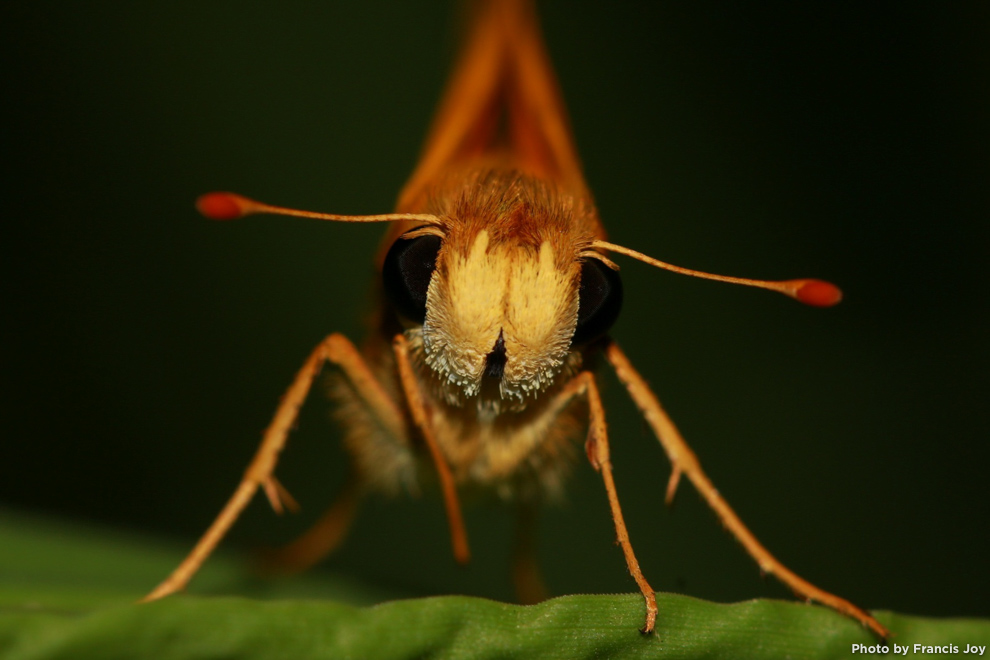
x: 541, y: 313
x: 517, y: 292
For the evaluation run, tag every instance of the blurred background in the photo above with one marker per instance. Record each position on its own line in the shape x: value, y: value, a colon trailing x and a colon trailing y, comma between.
x: 144, y: 348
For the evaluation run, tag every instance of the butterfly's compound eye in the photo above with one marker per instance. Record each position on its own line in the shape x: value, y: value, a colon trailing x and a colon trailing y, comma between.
x: 599, y: 301
x: 406, y: 273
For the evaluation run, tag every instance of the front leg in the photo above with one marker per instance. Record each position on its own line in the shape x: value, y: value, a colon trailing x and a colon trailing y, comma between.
x: 421, y: 416
x: 598, y: 453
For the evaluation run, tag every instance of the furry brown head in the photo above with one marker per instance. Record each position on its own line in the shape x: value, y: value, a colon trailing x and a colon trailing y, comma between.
x: 503, y: 299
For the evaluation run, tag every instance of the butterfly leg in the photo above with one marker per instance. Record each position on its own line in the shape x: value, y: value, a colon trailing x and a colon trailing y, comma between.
x: 420, y: 415
x: 684, y: 461
x: 336, y: 349
x: 597, y: 449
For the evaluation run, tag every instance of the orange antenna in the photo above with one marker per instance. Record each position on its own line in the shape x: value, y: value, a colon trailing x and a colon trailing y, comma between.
x: 230, y: 206
x: 816, y: 293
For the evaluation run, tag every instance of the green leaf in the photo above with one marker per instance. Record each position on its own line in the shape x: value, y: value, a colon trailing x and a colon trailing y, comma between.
x: 69, y: 593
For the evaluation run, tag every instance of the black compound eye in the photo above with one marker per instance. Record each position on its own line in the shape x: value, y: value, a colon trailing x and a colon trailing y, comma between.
x: 406, y: 274
x: 599, y: 301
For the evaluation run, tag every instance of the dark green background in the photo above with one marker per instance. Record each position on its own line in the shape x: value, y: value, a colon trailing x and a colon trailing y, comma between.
x: 144, y: 348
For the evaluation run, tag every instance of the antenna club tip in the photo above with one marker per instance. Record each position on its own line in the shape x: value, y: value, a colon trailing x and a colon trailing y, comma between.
x: 222, y: 206
x: 818, y: 293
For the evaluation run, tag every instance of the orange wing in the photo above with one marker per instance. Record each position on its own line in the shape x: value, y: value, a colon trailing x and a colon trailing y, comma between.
x: 502, y: 104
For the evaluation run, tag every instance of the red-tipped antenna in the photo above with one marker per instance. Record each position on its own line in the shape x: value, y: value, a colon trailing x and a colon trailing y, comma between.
x: 816, y: 293
x: 230, y: 206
